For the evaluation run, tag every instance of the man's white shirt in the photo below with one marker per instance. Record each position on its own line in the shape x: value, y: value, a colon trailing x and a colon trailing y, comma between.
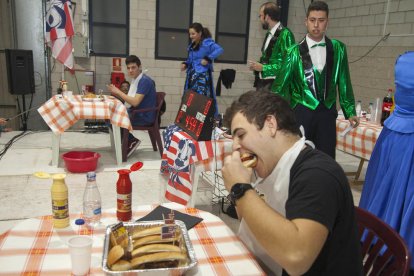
x: 317, y: 54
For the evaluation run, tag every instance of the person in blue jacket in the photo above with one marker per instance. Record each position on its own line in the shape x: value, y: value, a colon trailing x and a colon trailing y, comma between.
x: 202, y: 52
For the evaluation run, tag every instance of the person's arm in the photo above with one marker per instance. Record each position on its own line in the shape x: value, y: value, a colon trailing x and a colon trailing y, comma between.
x: 133, y: 101
x: 346, y: 94
x: 289, y: 74
x: 284, y: 42
x: 214, y: 51
x: 294, y: 244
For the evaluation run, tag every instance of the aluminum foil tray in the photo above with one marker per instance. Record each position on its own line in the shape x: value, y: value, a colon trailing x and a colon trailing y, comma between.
x: 192, y: 261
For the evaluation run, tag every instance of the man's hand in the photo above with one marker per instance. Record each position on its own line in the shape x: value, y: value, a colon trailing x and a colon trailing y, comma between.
x: 204, y: 62
x: 183, y: 67
x: 255, y: 66
x: 354, y: 121
x: 114, y: 90
x: 234, y: 172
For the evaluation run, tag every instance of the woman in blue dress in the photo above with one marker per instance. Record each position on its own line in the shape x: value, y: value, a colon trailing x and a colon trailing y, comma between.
x: 389, y: 183
x: 202, y: 52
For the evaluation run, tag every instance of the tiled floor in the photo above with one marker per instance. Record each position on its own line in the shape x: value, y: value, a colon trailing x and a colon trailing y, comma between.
x: 22, y: 195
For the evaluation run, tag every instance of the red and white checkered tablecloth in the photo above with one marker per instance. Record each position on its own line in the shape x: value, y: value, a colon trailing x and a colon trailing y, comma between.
x: 359, y: 141
x: 179, y: 158
x: 60, y: 113
x: 34, y: 247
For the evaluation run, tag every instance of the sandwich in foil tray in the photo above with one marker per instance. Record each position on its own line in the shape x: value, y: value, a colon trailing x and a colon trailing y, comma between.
x: 147, y: 248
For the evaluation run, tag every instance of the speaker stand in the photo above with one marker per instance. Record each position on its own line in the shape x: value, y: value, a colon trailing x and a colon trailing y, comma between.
x: 23, y: 110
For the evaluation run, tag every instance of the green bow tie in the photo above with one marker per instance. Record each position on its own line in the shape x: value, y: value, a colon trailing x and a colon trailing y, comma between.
x: 322, y: 44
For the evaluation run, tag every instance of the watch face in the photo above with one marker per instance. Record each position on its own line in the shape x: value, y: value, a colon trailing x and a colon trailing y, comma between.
x: 238, y: 190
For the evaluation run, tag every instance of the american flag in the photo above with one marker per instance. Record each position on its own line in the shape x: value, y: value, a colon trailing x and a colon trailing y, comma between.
x: 59, y: 30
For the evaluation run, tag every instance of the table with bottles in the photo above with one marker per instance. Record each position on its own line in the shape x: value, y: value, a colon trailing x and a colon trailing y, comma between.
x: 35, y: 247
x: 358, y: 142
x: 61, y: 112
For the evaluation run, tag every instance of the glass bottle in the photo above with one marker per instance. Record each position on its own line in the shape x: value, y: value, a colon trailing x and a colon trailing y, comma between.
x: 91, y: 200
x: 124, y: 196
x: 358, y: 109
x: 60, y: 202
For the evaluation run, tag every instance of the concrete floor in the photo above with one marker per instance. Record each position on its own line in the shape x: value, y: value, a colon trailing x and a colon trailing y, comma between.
x: 22, y: 195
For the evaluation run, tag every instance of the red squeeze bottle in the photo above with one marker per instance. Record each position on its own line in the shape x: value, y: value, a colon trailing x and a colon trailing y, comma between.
x: 124, y: 196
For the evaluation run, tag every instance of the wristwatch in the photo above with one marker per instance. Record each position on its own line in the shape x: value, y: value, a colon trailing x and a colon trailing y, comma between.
x: 237, y: 191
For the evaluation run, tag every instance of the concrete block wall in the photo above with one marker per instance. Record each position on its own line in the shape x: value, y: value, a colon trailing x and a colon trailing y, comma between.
x: 359, y: 24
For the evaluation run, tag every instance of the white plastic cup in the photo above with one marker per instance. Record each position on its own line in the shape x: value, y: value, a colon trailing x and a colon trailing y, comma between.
x: 67, y: 94
x: 80, y: 248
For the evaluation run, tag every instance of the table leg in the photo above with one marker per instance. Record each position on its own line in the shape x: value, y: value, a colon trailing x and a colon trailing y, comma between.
x: 55, y: 149
x: 356, y: 180
x: 195, y: 178
x: 116, y: 131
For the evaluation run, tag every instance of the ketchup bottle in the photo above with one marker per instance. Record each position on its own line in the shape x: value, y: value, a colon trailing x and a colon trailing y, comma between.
x: 124, y: 196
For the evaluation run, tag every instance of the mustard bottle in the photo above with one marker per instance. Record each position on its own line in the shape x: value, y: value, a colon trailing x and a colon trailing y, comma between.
x: 60, y: 204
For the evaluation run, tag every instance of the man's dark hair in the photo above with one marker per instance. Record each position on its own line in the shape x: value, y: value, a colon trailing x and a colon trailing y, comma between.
x: 133, y: 59
x: 257, y: 105
x: 272, y: 10
x: 318, y: 6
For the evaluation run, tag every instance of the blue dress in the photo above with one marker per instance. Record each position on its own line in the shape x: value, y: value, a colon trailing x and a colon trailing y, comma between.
x: 199, y: 77
x: 388, y: 190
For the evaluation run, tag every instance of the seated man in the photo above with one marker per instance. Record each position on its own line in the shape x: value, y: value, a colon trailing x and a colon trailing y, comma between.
x: 124, y: 87
x: 3, y: 122
x: 141, y: 94
x: 305, y: 224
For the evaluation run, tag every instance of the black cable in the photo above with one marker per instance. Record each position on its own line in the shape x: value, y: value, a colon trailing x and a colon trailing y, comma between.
x: 385, y: 37
x: 10, y: 143
x: 15, y: 139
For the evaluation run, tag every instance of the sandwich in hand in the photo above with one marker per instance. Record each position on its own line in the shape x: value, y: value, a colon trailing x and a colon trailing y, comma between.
x: 248, y: 160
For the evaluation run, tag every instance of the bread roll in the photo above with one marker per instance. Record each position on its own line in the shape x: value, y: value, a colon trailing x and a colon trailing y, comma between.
x: 121, y: 265
x: 153, y: 248
x: 116, y: 253
x: 158, y: 257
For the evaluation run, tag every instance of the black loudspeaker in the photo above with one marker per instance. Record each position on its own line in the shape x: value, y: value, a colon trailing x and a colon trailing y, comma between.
x: 20, y: 71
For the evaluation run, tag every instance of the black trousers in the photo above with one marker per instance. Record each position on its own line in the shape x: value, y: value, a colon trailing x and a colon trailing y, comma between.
x: 319, y: 125
x: 265, y: 84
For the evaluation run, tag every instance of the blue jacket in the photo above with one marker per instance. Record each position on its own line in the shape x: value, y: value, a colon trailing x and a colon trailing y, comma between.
x: 208, y: 50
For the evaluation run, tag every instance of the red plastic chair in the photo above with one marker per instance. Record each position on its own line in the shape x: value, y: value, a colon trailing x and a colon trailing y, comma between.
x: 374, y: 234
x: 153, y: 130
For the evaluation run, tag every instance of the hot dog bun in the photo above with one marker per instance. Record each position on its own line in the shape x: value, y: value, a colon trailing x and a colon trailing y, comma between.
x: 154, y: 239
x: 153, y: 248
x: 158, y: 257
x: 146, y: 232
x: 121, y: 265
x: 116, y: 253
x: 248, y: 160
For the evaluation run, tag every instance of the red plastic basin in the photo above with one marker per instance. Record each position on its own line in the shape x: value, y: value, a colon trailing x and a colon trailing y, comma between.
x: 81, y: 161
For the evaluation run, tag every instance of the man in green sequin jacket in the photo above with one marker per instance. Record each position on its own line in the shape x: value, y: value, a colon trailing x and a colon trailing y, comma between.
x: 310, y: 76
x: 277, y: 40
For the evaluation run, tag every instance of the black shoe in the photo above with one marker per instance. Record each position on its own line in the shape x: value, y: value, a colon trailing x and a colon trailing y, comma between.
x: 132, y: 146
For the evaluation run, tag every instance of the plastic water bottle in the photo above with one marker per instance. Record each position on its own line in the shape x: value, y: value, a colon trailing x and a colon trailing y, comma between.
x: 371, y: 111
x: 358, y: 109
x: 91, y: 200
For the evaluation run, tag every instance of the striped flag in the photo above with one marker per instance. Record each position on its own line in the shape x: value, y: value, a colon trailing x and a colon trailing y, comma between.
x: 59, y: 30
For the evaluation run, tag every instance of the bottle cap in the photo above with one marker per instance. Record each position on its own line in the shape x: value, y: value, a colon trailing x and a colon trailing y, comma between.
x: 91, y: 176
x: 80, y: 221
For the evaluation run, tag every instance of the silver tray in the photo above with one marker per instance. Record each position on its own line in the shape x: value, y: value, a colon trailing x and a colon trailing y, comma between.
x: 157, y: 271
